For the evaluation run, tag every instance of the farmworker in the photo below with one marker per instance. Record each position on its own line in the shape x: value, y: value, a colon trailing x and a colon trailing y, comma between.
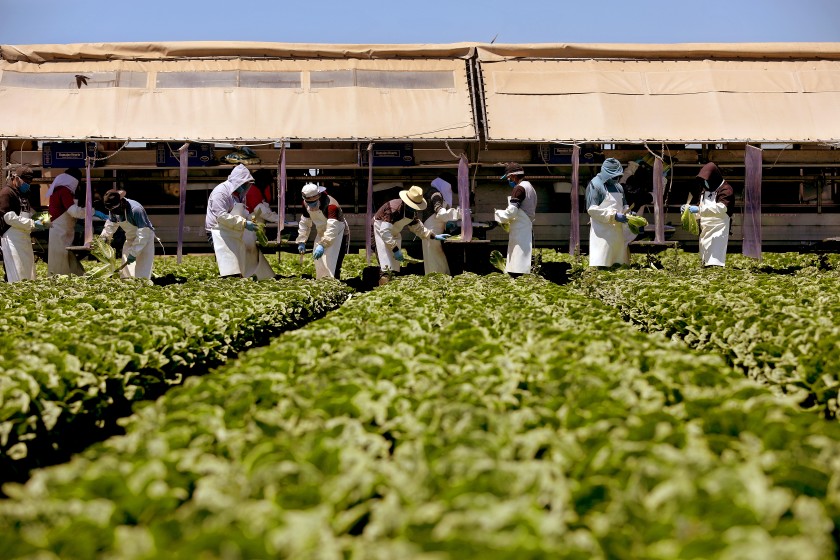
x: 388, y: 223
x: 717, y: 202
x: 139, y: 248
x: 519, y: 217
x: 607, y: 208
x: 440, y: 200
x: 332, y: 232
x: 16, y: 226
x: 223, y: 227
x: 259, y: 196
x: 256, y: 208
x: 64, y: 211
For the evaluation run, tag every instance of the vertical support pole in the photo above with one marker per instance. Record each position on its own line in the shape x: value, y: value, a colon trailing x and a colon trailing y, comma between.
x: 658, y: 201
x: 752, y: 202
x: 464, y: 198
x: 88, y: 204
x: 184, y: 161
x: 574, y: 198
x: 369, y: 213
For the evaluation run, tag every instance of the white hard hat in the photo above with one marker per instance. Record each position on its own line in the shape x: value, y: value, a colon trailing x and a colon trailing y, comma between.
x: 310, y: 190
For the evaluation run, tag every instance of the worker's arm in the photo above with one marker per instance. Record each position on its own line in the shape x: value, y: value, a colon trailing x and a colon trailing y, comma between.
x: 264, y: 212
x: 304, y: 227
x: 13, y: 219
x: 417, y: 228
x: 109, y: 230
x: 517, y: 197
x: 448, y: 214
x: 386, y: 232
x: 231, y: 222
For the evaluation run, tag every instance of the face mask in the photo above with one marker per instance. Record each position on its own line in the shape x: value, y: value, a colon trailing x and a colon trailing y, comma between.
x: 312, y: 205
x: 511, y: 183
x: 24, y: 188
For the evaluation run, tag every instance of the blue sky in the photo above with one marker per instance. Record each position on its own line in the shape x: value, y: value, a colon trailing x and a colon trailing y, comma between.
x: 429, y: 21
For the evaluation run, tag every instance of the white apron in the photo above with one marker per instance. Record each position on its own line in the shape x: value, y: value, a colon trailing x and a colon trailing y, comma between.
x: 384, y: 254
x: 714, y: 231
x: 62, y: 231
x: 229, y: 249
x: 255, y: 262
x: 325, y: 266
x: 520, y: 241
x: 18, y: 257
x: 142, y: 267
x: 607, y: 241
x: 433, y: 258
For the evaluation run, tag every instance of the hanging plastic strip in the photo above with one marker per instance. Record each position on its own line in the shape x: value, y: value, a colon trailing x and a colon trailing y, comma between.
x: 281, y: 196
x: 369, y: 214
x: 184, y: 161
x: 464, y: 198
x: 574, y: 196
x: 88, y: 205
x: 658, y: 201
x: 752, y: 202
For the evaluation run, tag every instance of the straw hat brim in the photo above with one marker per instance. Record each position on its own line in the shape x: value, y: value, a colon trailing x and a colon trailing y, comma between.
x: 411, y: 203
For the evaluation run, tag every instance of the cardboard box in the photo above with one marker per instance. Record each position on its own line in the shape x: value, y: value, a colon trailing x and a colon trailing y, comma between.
x: 67, y: 154
x: 199, y: 155
x: 388, y: 155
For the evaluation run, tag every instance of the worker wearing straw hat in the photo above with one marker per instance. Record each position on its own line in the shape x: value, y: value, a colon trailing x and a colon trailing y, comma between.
x: 388, y: 223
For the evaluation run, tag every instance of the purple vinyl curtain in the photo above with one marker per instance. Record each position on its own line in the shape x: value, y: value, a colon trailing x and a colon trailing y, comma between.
x: 658, y: 201
x: 281, y: 195
x: 369, y: 213
x: 88, y: 205
x: 464, y: 198
x: 752, y: 203
x: 574, y: 197
x: 184, y: 160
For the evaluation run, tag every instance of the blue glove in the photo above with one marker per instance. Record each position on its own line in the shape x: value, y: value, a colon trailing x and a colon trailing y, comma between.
x: 318, y: 252
x: 619, y: 217
x: 693, y: 209
x: 130, y: 259
x: 399, y: 256
x: 39, y: 225
x: 301, y: 248
x: 442, y: 237
x: 100, y: 215
x: 250, y: 226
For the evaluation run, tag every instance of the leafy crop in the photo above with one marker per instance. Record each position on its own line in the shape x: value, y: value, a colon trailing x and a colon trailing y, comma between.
x: 782, y: 329
x: 503, y: 419
x: 72, y: 353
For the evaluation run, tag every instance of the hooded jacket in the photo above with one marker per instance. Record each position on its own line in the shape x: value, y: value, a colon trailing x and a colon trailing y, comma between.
x: 221, y: 200
x: 717, y: 184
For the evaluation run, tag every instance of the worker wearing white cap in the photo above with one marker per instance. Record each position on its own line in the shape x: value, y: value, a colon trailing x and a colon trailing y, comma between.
x: 519, y: 217
x: 388, y: 223
x: 434, y: 260
x: 607, y: 208
x: 332, y: 232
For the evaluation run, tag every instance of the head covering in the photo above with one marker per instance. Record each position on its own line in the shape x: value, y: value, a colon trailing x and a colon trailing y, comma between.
x: 311, y: 189
x: 712, y: 175
x: 112, y: 199
x: 413, y: 197
x: 444, y: 188
x: 63, y: 180
x: 221, y: 198
x: 24, y: 172
x: 512, y: 168
x: 611, y: 168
